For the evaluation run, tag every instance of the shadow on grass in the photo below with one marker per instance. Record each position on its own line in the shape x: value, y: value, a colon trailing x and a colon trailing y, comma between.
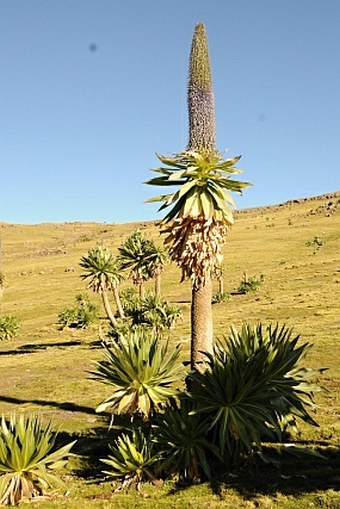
x: 293, y: 477
x: 68, y: 406
x: 37, y: 347
x: 93, y: 445
x: 90, y: 447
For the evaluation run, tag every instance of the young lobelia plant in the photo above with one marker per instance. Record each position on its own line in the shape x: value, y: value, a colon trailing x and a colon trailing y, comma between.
x: 142, y: 372
x: 154, y: 312
x: 9, y: 326
x: 132, y: 459
x: 28, y: 458
x: 80, y: 316
x: 251, y: 283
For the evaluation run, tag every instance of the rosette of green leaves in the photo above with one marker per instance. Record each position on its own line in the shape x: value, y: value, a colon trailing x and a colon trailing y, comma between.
x: 204, y: 183
x: 135, y: 254
x: 28, y: 458
x: 142, y: 372
x: 102, y: 271
x: 257, y: 381
x: 181, y: 436
x: 9, y: 326
x: 132, y: 458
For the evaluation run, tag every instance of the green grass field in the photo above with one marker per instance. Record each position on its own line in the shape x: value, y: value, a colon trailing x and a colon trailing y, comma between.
x: 296, y: 246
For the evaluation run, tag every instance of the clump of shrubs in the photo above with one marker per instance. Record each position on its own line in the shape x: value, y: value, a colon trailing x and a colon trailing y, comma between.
x: 250, y: 283
x: 80, y: 316
x: 9, y: 326
x: 316, y: 242
x: 219, y: 297
x: 152, y: 312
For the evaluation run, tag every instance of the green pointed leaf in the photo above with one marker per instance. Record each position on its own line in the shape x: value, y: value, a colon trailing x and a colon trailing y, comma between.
x: 162, y: 197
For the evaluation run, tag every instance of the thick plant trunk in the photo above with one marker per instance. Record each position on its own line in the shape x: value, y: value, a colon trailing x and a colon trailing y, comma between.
x: 118, y: 302
x: 201, y: 324
x: 141, y: 289
x: 108, y: 309
x: 158, y: 285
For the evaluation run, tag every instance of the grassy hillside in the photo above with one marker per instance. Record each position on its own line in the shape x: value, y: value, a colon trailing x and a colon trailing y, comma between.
x: 295, y: 245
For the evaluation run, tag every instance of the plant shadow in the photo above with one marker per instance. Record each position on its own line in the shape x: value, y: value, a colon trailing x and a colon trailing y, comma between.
x: 67, y: 405
x: 93, y: 445
x: 293, y: 477
x: 37, y: 347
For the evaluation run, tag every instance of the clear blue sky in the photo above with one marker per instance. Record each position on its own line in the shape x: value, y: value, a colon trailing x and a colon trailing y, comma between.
x: 79, y: 128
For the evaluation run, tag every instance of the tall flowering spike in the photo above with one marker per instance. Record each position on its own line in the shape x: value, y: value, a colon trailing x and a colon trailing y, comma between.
x: 201, y: 102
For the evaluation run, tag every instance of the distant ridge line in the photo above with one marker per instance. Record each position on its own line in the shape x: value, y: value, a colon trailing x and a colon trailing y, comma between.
x: 293, y: 201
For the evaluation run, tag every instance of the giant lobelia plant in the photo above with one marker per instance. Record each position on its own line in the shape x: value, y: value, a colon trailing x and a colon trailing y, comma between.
x: 102, y: 273
x: 200, y: 213
x: 134, y: 255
